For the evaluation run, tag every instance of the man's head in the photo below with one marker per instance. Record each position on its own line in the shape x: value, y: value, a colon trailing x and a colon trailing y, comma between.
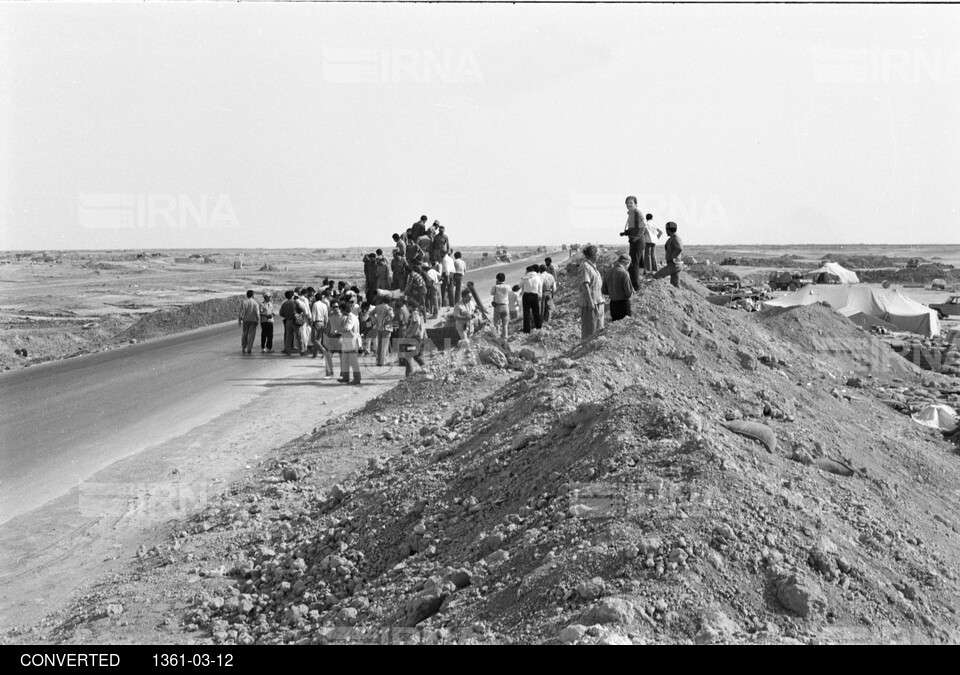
x: 423, y: 219
x: 288, y: 295
x: 465, y: 295
x: 623, y: 260
x: 501, y: 277
x: 590, y: 252
x: 296, y: 291
x: 396, y: 237
x: 345, y: 307
x: 379, y: 252
x: 671, y: 228
x: 266, y: 296
x: 436, y: 223
x: 548, y: 261
x: 631, y: 202
x: 249, y: 294
x: 409, y: 232
x: 396, y: 253
x: 457, y: 255
x: 542, y: 269
x: 649, y: 216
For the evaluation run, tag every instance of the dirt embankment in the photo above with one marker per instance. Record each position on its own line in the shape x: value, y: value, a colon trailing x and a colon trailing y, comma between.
x: 608, y: 491
x: 188, y: 317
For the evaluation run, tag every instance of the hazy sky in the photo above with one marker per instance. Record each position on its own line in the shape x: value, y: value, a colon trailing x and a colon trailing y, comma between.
x: 283, y: 125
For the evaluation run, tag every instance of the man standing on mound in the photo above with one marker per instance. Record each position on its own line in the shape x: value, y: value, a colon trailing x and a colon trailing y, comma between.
x: 672, y: 249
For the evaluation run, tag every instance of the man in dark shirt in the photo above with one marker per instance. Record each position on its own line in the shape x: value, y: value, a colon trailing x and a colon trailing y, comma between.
x: 618, y: 285
x: 672, y: 249
x: 287, y: 310
x: 419, y: 228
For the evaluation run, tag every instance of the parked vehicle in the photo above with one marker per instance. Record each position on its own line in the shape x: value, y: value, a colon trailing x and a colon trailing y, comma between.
x: 949, y: 308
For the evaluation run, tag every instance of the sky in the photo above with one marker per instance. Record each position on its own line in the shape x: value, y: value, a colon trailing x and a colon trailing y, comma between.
x: 198, y: 125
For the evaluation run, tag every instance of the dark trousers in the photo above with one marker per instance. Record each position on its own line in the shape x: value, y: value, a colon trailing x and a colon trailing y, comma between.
x: 410, y: 349
x: 531, y: 305
x: 619, y: 309
x: 669, y: 270
x: 289, y: 330
x: 457, y: 287
x: 266, y: 335
x: 636, y: 260
x: 446, y: 288
x: 650, y: 257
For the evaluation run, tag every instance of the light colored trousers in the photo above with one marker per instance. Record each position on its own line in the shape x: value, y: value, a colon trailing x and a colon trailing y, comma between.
x: 591, y: 320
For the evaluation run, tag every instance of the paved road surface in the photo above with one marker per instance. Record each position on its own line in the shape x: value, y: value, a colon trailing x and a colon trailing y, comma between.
x: 61, y: 422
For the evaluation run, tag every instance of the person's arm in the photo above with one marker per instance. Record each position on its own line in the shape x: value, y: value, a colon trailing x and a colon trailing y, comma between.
x: 604, y: 287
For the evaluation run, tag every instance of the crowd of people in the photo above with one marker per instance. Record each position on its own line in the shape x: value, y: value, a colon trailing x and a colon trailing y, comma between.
x: 423, y: 275
x: 388, y: 318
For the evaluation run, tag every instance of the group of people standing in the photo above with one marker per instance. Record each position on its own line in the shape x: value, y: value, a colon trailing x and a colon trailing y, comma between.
x: 335, y: 319
x: 624, y: 278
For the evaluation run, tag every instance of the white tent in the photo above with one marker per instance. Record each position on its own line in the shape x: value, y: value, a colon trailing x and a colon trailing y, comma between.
x: 844, y: 275
x: 868, y: 306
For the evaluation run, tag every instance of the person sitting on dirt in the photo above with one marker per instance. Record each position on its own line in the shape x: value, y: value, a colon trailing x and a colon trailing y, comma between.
x: 618, y: 285
x: 672, y: 250
x: 501, y: 306
x: 464, y: 313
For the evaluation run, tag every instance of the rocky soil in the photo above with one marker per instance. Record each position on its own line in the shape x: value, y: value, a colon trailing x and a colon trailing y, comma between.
x: 691, y: 474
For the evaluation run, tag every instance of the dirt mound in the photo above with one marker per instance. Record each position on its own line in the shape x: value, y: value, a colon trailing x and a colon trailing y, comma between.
x: 188, y: 317
x: 608, y: 494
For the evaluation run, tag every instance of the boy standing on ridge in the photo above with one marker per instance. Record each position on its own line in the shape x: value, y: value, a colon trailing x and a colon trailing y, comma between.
x: 672, y: 249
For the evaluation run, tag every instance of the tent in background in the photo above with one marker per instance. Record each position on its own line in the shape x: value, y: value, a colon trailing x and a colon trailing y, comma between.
x: 862, y: 305
x: 833, y: 273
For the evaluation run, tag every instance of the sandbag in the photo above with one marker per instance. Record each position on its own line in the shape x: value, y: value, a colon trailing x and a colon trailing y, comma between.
x: 754, y: 430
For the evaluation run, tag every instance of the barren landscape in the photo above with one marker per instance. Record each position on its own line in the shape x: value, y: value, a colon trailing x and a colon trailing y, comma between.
x: 556, y: 491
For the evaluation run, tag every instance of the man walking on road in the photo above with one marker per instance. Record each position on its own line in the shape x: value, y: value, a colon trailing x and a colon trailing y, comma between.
x: 591, y: 295
x: 248, y: 321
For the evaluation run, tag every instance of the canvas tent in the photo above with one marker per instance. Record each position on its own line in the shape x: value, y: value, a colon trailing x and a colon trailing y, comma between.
x: 832, y: 273
x: 868, y: 306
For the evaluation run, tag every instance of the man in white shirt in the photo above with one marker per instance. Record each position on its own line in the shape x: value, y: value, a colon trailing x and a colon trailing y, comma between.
x: 447, y: 269
x: 531, y: 287
x: 546, y: 298
x: 459, y: 269
x: 319, y: 313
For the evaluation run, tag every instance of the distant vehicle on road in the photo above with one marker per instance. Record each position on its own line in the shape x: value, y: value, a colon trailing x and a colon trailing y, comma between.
x: 913, y: 263
x: 503, y: 255
x: 949, y: 308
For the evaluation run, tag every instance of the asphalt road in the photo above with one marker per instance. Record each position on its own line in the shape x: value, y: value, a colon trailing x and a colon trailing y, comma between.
x: 63, y: 421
